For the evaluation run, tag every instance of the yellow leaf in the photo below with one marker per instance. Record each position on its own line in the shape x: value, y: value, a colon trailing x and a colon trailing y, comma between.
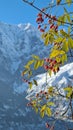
x: 58, y: 2
x: 35, y: 57
x: 58, y: 59
x: 70, y: 42
x: 56, y: 53
x: 64, y: 58
x: 43, y: 108
x: 42, y: 114
x: 68, y: 89
x: 64, y: 33
x: 36, y: 64
x: 30, y: 85
x: 24, y: 72
x: 42, y: 111
x: 50, y: 104
x: 65, y: 46
x: 30, y: 62
x: 41, y: 63
x: 50, y: 90
x: 48, y: 111
x: 50, y: 72
x: 46, y: 40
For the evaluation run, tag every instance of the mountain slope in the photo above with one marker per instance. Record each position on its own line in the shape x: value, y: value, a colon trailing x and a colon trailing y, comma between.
x: 17, y: 44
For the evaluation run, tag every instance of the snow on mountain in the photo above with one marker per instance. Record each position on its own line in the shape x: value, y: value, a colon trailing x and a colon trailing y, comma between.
x: 62, y: 79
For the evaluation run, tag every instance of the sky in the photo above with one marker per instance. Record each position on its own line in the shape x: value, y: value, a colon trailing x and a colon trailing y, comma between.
x: 16, y: 12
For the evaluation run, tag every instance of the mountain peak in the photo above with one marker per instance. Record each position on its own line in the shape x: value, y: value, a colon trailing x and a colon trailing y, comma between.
x: 25, y: 26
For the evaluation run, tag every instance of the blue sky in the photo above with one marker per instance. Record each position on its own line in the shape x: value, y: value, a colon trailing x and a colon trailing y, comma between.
x: 16, y: 11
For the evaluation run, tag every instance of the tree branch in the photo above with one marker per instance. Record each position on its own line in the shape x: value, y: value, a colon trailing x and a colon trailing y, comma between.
x: 49, y: 16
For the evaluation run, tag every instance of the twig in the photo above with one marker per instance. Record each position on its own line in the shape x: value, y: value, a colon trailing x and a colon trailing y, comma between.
x: 45, y: 13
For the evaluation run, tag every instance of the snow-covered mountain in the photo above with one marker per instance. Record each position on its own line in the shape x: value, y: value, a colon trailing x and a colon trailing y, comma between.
x: 17, y: 44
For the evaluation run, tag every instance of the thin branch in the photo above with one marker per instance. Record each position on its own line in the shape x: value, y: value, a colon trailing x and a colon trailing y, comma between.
x: 49, y: 16
x: 71, y: 107
x: 59, y: 4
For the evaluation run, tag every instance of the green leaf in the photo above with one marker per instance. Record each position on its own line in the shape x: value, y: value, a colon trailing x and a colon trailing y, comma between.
x: 35, y: 82
x: 48, y: 111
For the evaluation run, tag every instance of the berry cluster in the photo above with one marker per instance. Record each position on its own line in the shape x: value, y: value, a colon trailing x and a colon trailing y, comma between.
x: 50, y: 64
x: 41, y: 17
x: 49, y: 126
x: 42, y: 94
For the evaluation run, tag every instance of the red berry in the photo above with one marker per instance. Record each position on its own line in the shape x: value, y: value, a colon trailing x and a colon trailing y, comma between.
x: 40, y: 15
x: 54, y: 70
x: 55, y: 43
x: 43, y: 9
x: 45, y: 93
x: 54, y: 62
x: 50, y: 67
x: 50, y: 60
x: 41, y: 92
x: 50, y: 21
x: 39, y: 26
x: 39, y: 20
x: 37, y: 94
x: 47, y: 59
x: 56, y: 27
x: 46, y: 67
x: 42, y: 30
x: 54, y: 17
x: 47, y: 125
x: 51, y: 26
x: 46, y: 15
